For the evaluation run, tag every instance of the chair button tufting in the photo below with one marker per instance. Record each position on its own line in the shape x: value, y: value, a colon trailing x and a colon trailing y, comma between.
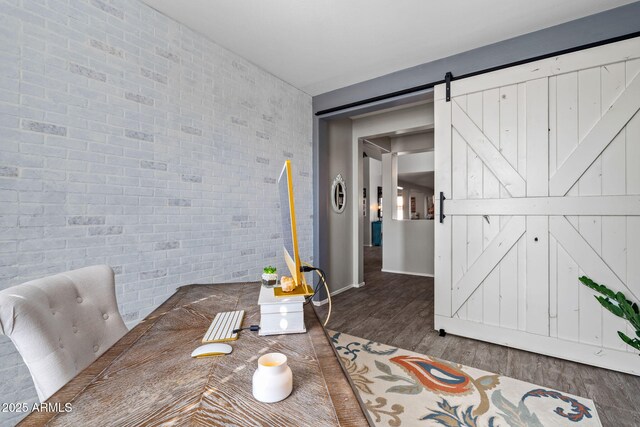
x: 75, y: 330
x: 105, y: 316
x: 79, y: 300
x: 95, y: 348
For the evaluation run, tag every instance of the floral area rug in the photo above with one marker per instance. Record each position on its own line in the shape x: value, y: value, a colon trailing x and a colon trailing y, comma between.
x: 402, y: 388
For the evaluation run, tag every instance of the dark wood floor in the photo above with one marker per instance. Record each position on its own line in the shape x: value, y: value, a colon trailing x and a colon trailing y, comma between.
x: 397, y: 310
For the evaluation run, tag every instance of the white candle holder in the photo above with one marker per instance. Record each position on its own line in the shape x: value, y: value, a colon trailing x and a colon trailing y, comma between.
x: 273, y: 380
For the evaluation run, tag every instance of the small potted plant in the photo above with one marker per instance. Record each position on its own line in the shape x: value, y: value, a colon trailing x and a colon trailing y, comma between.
x: 269, y: 277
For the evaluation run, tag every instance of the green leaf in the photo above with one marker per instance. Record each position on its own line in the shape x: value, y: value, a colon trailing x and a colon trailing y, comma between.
x: 635, y: 343
x: 405, y: 389
x: 586, y: 281
x: 618, y: 304
x: 606, y: 303
x: 635, y: 321
x: 383, y: 367
x: 628, y: 311
x: 391, y: 378
x: 624, y: 338
x: 596, y: 287
x: 623, y: 302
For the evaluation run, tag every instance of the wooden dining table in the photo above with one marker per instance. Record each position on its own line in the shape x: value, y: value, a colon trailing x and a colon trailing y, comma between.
x: 149, y: 378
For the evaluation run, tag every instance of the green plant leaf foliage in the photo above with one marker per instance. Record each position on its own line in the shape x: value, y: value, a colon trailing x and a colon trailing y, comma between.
x: 596, y: 287
x: 624, y: 338
x: 606, y: 303
x: 618, y: 304
x: 635, y: 343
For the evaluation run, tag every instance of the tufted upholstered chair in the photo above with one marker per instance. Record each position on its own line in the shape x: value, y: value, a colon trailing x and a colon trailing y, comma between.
x: 61, y: 324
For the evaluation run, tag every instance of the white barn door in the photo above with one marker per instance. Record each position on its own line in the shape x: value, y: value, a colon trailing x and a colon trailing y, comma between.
x: 540, y: 167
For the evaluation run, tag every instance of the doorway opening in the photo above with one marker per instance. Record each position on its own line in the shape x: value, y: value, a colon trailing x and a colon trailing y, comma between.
x: 356, y: 143
x: 390, y: 213
x: 394, y: 160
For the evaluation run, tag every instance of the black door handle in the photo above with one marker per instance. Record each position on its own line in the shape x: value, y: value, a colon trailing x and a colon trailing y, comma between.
x: 442, y: 199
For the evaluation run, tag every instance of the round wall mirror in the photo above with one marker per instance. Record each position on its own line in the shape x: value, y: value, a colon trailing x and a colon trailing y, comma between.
x: 338, y: 194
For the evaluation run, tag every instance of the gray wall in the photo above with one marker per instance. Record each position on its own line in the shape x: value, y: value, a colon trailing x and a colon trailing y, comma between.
x: 407, y: 246
x: 130, y: 140
x: 366, y: 178
x: 339, y: 225
x: 609, y: 24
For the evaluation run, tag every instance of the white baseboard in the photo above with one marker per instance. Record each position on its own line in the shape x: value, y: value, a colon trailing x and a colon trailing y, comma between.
x: 407, y: 272
x: 339, y: 291
x: 617, y: 360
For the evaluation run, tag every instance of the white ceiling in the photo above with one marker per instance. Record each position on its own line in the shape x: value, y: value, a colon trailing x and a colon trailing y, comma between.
x: 321, y: 45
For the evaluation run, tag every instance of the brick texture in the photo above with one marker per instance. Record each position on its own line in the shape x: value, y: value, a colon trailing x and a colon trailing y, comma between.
x: 127, y: 139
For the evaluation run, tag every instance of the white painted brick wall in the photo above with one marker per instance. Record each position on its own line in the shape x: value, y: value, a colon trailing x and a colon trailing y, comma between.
x: 127, y: 139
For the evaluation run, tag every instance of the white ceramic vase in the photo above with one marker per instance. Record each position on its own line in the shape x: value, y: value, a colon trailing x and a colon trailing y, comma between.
x: 272, y: 381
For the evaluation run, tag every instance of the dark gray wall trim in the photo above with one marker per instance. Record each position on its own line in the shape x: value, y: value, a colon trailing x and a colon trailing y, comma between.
x: 593, y: 29
x: 425, y: 87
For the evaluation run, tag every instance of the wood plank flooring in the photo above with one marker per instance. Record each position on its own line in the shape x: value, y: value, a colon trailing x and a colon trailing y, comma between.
x: 397, y: 310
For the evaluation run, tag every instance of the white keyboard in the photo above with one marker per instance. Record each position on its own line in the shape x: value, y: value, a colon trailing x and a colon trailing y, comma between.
x: 222, y: 327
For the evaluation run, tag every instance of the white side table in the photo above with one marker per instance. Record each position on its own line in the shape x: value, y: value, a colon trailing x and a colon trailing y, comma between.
x: 282, y: 315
